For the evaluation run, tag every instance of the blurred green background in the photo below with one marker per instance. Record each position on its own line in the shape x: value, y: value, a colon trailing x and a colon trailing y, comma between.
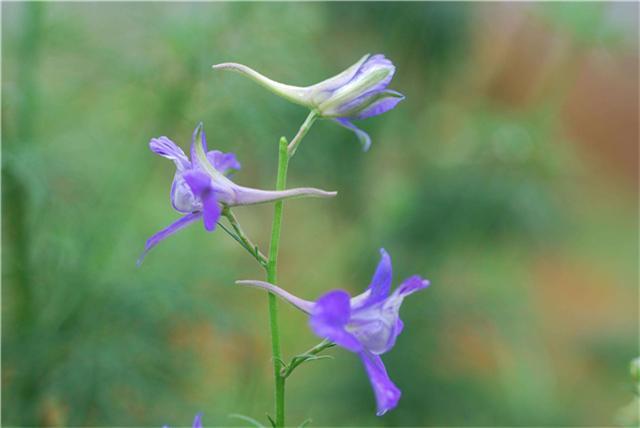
x: 508, y: 177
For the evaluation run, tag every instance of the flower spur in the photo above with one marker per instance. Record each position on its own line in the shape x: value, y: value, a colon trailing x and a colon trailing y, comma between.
x: 367, y: 324
x: 201, y: 186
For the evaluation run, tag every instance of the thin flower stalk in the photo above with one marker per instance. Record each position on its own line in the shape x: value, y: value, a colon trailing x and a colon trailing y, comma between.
x: 243, y: 240
x: 272, y: 276
x: 311, y: 354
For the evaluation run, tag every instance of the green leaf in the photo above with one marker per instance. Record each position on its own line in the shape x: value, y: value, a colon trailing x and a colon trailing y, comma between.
x: 305, y: 423
x: 273, y: 423
x: 249, y: 419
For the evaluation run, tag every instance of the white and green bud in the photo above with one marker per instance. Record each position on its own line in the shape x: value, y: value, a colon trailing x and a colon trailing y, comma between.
x: 358, y: 92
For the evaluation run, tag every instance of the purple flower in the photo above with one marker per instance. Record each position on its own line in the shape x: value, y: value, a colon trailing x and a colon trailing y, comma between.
x: 367, y: 324
x: 201, y: 186
x: 357, y: 93
x: 197, y: 422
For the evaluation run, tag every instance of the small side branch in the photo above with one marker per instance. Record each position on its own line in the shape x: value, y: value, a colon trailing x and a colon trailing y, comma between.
x: 310, y: 355
x: 239, y: 236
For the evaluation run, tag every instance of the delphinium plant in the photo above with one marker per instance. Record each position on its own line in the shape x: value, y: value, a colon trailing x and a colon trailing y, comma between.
x: 367, y: 324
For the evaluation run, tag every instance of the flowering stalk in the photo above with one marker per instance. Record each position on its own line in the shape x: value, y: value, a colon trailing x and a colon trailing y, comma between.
x: 202, y: 189
x: 285, y: 153
x: 272, y: 275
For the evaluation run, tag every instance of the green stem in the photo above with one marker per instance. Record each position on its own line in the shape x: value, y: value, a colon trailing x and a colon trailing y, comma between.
x: 284, y: 154
x: 291, y: 150
x: 272, y: 277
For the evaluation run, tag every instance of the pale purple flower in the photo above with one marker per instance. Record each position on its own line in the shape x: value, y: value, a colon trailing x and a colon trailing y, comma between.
x: 197, y: 422
x: 201, y: 186
x: 367, y: 324
x: 358, y: 92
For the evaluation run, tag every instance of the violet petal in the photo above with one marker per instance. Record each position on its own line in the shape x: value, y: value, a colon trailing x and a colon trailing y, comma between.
x: 364, y: 138
x: 387, y: 394
x: 375, y: 64
x: 168, y: 231
x: 377, y: 61
x: 381, y: 282
x: 198, y: 137
x: 330, y: 315
x: 182, y: 197
x: 385, y: 103
x: 399, y: 328
x: 211, y: 211
x: 168, y: 149
x: 223, y: 162
x: 197, y: 421
x: 199, y: 182
x: 411, y: 285
x: 321, y: 91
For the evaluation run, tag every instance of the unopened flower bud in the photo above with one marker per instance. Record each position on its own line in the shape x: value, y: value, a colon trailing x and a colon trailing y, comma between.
x: 358, y: 92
